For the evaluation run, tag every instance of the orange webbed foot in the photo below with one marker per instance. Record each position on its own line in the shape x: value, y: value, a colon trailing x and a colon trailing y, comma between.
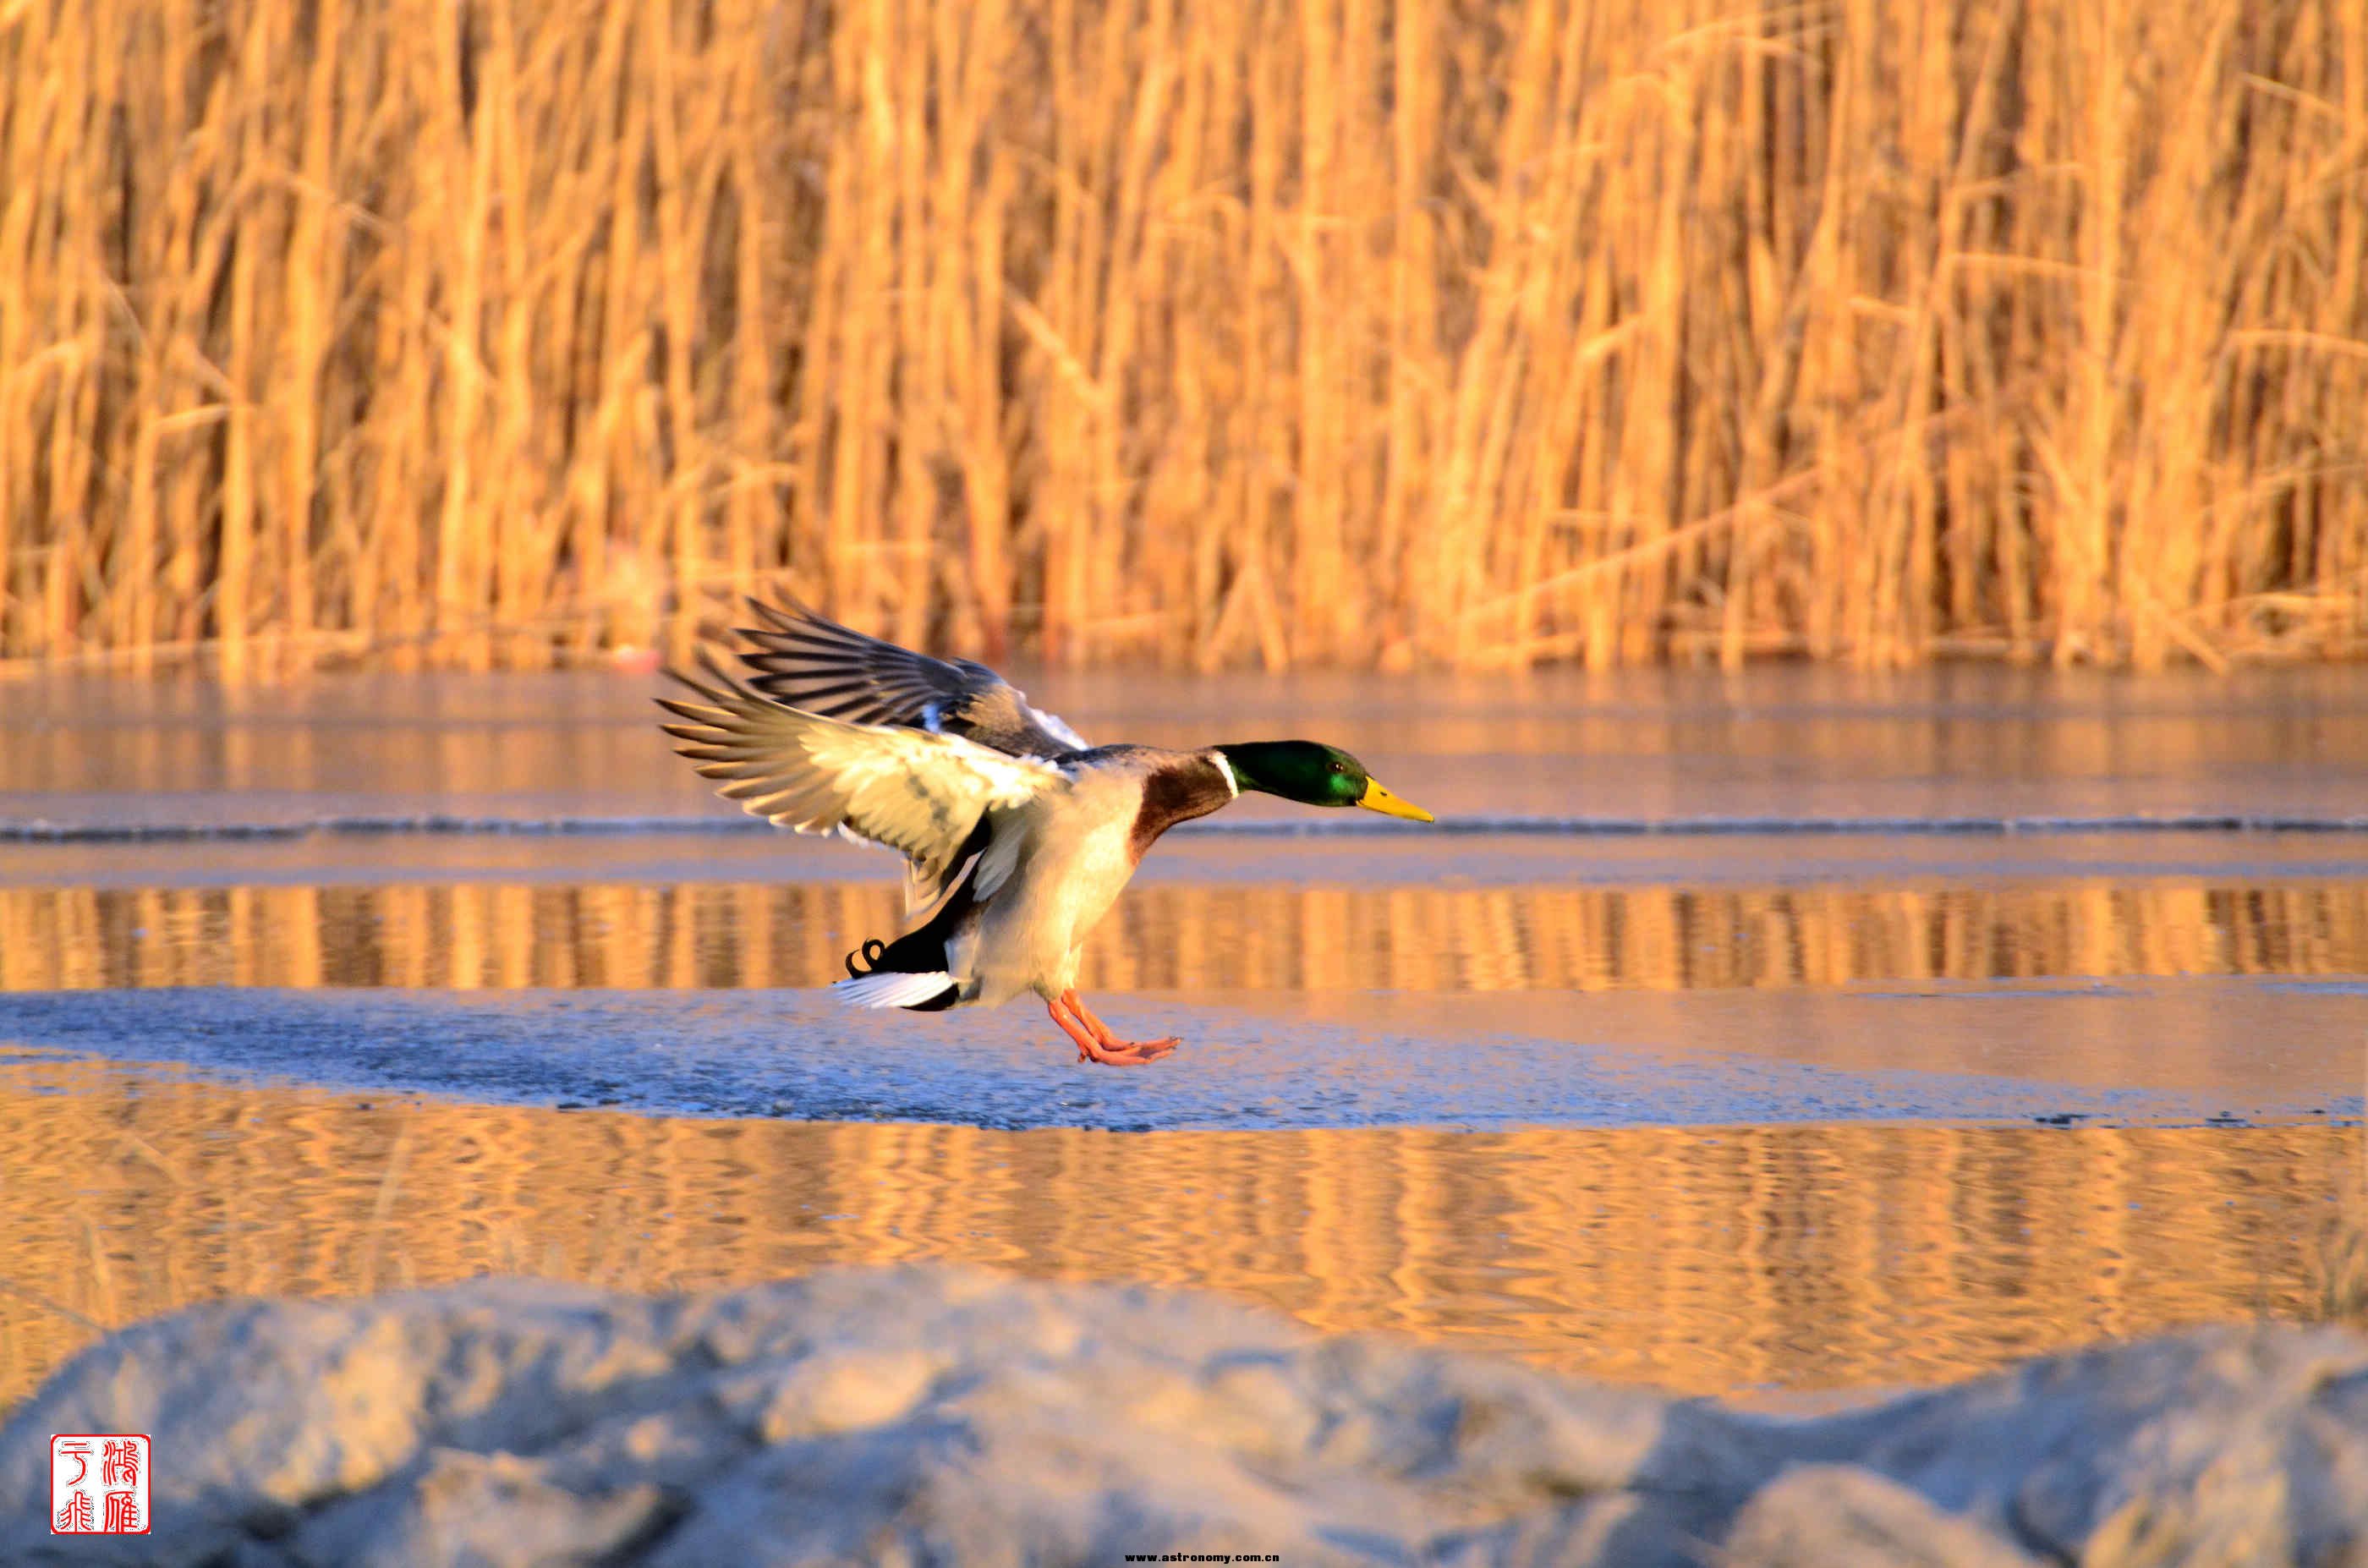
x: 1094, y: 1042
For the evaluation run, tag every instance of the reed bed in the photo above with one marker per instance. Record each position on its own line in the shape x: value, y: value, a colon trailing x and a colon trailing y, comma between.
x: 1387, y: 333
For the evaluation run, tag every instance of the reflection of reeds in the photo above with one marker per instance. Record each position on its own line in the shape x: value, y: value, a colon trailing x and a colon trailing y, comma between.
x: 488, y: 332
x: 2338, y: 1259
x: 1704, y: 1260
x: 1176, y: 936
x: 2338, y: 1272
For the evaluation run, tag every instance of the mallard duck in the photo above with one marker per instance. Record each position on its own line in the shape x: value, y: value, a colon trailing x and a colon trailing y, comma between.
x: 1019, y: 835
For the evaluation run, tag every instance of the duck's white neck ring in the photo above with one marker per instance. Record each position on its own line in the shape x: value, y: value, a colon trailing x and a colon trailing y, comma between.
x: 1227, y: 769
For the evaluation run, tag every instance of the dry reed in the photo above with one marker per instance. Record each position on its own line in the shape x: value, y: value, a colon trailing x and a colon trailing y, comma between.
x: 1396, y: 332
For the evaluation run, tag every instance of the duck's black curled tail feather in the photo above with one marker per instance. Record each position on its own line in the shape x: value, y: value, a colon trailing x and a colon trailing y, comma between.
x: 922, y: 950
x: 917, y: 953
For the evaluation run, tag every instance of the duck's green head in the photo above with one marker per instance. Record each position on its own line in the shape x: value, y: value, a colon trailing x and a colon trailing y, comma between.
x: 1314, y: 776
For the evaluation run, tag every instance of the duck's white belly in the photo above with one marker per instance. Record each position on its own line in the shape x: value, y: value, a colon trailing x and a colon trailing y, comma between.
x: 1030, y: 934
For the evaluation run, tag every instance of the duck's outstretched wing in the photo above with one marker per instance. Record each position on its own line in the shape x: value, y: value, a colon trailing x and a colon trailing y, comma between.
x: 915, y: 792
x: 823, y: 667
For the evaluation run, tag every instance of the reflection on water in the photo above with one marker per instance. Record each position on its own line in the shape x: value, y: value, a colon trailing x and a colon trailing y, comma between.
x: 1780, y: 1257
x: 1192, y: 936
x: 1799, y: 1256
x: 1786, y: 740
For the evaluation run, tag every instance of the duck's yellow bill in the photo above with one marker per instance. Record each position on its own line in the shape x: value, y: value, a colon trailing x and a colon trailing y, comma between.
x: 1376, y: 798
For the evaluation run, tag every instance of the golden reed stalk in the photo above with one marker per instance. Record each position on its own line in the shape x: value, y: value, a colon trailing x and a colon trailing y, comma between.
x: 502, y: 332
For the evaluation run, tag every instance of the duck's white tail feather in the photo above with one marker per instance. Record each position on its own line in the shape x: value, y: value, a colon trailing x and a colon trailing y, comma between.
x: 889, y: 988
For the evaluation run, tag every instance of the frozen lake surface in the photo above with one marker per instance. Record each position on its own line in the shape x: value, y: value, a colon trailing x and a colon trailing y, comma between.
x: 1837, y: 949
x: 1784, y: 745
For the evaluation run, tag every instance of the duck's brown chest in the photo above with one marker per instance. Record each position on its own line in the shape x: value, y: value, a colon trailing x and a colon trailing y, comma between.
x: 1190, y: 786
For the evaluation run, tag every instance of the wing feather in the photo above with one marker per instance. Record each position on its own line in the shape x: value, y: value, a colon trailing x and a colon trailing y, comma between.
x: 820, y: 666
x: 914, y: 791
